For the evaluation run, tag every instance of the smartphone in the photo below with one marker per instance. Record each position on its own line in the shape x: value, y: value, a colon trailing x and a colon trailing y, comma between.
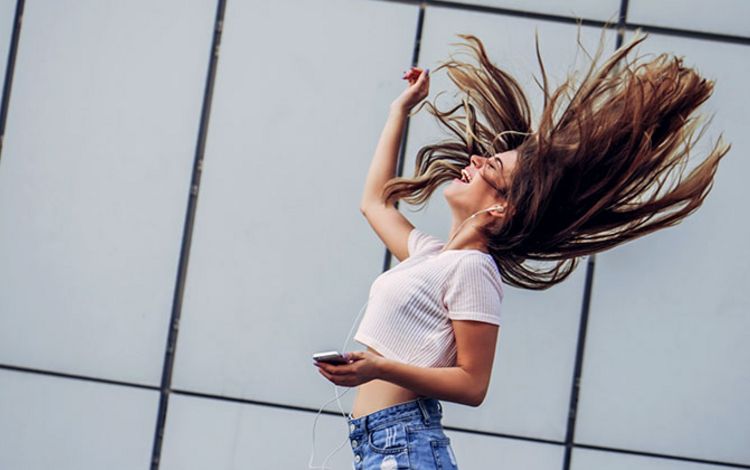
x: 330, y: 357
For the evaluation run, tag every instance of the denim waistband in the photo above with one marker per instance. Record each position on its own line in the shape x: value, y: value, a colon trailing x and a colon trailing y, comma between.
x: 429, y: 410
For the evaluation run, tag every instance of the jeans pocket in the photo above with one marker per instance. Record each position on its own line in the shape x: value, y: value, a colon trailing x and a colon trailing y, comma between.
x: 389, y: 439
x: 443, y: 453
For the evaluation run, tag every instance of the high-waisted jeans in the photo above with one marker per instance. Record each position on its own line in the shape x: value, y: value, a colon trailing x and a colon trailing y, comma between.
x: 404, y: 436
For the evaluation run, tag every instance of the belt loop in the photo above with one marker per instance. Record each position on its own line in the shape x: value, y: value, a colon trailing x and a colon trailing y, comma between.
x: 423, y: 409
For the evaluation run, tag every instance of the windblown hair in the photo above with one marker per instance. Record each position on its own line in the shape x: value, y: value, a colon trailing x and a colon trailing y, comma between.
x: 593, y: 173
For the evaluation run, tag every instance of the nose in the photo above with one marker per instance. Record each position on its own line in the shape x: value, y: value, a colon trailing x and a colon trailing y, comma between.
x: 477, y: 161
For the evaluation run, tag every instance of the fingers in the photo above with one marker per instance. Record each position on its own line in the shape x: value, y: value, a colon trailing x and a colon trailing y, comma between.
x: 335, y: 379
x: 326, y: 375
x: 347, y: 382
x: 343, y: 374
x: 342, y: 380
x: 416, y: 75
x: 423, y: 76
x: 412, y: 75
x: 332, y: 369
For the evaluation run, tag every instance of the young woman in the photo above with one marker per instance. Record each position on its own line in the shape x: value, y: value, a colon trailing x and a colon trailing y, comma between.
x: 605, y: 165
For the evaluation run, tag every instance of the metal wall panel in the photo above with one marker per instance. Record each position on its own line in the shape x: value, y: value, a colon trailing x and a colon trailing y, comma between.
x: 94, y: 182
x: 7, y: 15
x: 603, y: 10
x: 722, y: 16
x: 585, y: 459
x: 50, y: 422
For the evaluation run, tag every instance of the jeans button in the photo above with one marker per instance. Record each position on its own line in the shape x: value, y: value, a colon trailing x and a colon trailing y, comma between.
x: 357, y: 458
x: 352, y: 427
x: 354, y: 443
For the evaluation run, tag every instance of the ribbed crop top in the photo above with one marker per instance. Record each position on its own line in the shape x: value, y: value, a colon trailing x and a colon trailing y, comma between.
x: 410, y: 307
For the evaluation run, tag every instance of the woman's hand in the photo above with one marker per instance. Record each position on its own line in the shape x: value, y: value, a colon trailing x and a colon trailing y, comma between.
x: 363, y: 366
x: 419, y: 87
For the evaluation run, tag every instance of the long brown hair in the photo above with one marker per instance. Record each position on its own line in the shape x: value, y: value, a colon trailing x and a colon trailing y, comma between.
x: 592, y: 175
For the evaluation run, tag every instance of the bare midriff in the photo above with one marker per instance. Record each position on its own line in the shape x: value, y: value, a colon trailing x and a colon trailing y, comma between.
x: 376, y: 395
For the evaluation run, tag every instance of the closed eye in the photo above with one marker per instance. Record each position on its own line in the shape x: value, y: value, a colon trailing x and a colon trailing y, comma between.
x: 495, y: 161
x: 497, y: 164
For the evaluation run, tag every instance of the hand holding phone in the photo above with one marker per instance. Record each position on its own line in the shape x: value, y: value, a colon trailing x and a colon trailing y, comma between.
x: 331, y: 357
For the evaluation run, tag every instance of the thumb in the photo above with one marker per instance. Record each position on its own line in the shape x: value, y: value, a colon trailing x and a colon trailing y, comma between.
x: 423, y: 76
x: 354, y: 356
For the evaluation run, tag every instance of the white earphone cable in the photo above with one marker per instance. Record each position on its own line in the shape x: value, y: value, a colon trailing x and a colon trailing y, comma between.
x: 337, y: 399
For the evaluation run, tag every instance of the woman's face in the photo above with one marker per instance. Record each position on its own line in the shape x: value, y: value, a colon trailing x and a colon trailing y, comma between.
x: 483, y: 183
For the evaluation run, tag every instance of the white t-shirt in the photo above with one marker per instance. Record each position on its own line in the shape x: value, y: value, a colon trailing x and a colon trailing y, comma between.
x: 410, y: 308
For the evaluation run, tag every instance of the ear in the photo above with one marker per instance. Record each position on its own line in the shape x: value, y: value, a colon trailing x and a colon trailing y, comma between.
x: 501, y: 209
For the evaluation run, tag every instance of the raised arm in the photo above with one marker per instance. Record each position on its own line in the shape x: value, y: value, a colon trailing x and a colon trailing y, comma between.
x: 387, y: 221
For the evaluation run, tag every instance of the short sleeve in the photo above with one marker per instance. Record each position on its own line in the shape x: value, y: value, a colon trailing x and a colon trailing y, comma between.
x: 419, y: 242
x: 474, y: 290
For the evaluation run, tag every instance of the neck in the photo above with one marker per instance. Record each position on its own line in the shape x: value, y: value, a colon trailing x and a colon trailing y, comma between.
x: 464, y: 235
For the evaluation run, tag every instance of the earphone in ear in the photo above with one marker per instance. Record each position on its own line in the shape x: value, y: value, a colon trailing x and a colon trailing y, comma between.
x: 496, y: 207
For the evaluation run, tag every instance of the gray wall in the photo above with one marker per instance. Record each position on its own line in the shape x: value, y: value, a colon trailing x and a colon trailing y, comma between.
x: 126, y: 214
